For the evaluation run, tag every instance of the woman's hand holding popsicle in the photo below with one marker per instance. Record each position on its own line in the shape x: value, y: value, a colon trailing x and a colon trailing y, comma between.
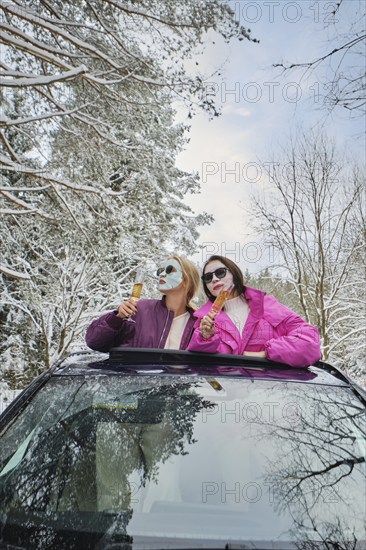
x: 207, y: 325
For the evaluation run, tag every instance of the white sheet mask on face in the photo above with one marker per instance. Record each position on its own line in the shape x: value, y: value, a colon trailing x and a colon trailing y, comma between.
x: 172, y: 279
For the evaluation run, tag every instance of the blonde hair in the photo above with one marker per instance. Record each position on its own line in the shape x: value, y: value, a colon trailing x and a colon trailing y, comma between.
x: 191, y: 278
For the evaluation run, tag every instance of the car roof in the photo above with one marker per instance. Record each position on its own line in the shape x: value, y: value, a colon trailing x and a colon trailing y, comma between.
x: 175, y: 362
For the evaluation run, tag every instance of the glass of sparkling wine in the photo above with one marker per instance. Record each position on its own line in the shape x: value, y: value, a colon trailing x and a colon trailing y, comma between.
x: 137, y: 288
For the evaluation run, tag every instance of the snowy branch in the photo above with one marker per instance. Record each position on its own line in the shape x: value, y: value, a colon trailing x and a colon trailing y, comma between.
x: 12, y: 274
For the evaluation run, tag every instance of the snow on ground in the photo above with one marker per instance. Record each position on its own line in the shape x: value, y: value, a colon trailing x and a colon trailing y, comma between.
x: 358, y: 376
x: 6, y: 397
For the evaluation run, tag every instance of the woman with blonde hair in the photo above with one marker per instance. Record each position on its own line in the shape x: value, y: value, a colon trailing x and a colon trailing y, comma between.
x: 166, y: 323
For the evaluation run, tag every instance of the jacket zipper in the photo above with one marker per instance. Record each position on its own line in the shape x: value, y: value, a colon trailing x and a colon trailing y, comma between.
x: 162, y: 334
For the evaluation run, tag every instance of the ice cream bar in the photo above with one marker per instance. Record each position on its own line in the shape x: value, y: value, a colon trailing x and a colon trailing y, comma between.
x: 219, y: 302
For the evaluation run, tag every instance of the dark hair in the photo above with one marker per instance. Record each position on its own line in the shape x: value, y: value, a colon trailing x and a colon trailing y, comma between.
x: 237, y: 274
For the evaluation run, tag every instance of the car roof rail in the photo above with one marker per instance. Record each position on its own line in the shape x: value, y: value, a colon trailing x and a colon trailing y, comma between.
x: 157, y: 356
x: 338, y: 373
x: 183, y: 357
x: 149, y: 356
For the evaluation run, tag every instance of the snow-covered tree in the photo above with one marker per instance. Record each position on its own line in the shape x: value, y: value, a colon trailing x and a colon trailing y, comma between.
x: 96, y: 68
x: 341, y: 68
x: 310, y: 212
x: 89, y: 188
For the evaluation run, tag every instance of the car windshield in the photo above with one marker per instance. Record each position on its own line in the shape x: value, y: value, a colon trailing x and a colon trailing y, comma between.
x: 184, y: 462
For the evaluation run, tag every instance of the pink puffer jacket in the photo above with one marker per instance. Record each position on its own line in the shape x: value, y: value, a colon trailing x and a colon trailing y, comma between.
x: 270, y: 327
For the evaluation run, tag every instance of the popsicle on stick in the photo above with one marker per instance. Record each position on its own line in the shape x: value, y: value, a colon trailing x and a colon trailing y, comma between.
x: 219, y: 302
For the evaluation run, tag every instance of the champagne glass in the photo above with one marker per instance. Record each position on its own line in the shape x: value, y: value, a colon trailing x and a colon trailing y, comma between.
x: 137, y: 286
x: 137, y: 289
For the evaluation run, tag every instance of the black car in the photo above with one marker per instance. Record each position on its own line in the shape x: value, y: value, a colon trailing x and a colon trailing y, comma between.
x: 155, y: 449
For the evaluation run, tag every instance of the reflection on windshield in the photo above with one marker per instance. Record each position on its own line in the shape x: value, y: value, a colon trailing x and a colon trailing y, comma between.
x: 316, y: 468
x: 152, y: 462
x: 95, y: 445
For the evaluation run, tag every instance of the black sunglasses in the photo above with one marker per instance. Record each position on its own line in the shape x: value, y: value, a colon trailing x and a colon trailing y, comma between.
x: 168, y: 269
x: 220, y: 274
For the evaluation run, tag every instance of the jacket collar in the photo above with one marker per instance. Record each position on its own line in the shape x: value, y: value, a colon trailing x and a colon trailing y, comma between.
x: 162, y: 302
x: 255, y: 300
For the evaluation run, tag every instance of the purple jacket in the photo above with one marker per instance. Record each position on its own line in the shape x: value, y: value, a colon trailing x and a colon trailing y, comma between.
x: 270, y: 327
x: 151, y: 329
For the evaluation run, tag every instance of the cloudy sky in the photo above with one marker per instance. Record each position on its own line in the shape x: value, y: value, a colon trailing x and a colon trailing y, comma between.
x: 261, y: 109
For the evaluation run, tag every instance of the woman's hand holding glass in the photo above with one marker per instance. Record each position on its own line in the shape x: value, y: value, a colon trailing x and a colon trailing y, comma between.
x: 128, y: 308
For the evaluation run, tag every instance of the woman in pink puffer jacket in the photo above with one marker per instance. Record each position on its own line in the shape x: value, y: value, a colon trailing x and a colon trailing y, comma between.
x: 251, y: 323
